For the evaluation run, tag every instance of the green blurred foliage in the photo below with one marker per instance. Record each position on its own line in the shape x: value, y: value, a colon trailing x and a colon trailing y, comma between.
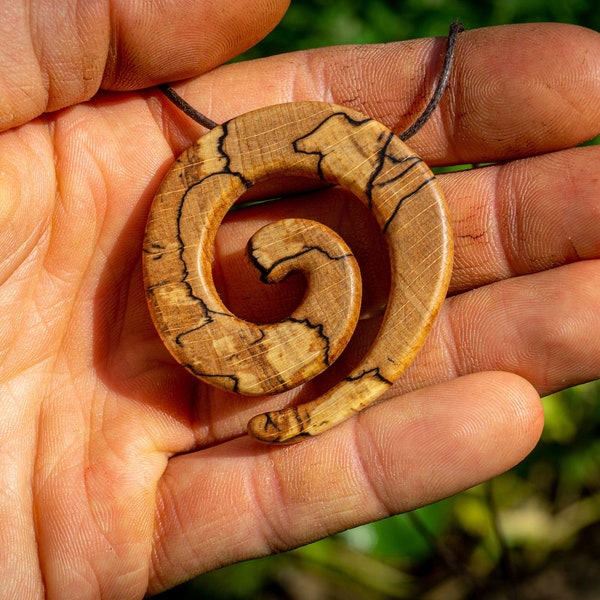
x: 482, y: 541
x: 316, y: 23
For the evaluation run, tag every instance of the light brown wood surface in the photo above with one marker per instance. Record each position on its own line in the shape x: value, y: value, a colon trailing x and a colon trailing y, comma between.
x: 334, y: 145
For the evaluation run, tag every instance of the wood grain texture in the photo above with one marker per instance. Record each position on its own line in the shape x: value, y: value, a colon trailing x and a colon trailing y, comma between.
x: 334, y: 145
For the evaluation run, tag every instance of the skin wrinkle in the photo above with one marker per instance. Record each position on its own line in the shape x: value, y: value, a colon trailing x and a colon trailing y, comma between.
x: 526, y: 217
x: 168, y: 508
x: 92, y: 62
x: 506, y: 218
x: 449, y: 341
x: 201, y: 421
x: 80, y: 34
x: 297, y: 493
x: 313, y: 79
x: 35, y: 354
x: 244, y: 502
x: 372, y: 473
x: 520, y: 358
x: 554, y: 340
x: 579, y: 361
x: 40, y: 78
x: 45, y: 48
x: 355, y: 84
x: 30, y: 576
x: 20, y: 220
x: 60, y: 282
x: 371, y: 495
x: 263, y: 489
x: 159, y: 554
x: 356, y: 486
x: 569, y: 180
x: 91, y: 568
x: 37, y: 487
x: 455, y: 110
x: 473, y: 234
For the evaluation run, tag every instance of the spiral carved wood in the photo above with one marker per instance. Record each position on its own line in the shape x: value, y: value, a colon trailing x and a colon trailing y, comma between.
x: 336, y: 146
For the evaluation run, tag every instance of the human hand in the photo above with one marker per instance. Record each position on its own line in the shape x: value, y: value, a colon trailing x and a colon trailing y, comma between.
x: 122, y: 474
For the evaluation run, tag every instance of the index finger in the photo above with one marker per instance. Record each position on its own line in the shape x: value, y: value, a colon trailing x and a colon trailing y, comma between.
x: 515, y: 90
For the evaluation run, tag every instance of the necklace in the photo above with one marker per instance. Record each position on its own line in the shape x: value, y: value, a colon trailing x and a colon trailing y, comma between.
x: 333, y: 145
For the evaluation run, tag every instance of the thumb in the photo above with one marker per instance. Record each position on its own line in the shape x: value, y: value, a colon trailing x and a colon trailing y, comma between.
x: 56, y: 53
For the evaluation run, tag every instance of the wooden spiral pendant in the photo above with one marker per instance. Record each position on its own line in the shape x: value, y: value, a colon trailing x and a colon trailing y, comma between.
x: 335, y: 145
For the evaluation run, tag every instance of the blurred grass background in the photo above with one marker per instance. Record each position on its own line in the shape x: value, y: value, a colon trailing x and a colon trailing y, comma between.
x: 531, y: 533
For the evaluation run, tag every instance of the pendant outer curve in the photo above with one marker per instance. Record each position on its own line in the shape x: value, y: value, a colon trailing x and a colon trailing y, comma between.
x: 335, y: 145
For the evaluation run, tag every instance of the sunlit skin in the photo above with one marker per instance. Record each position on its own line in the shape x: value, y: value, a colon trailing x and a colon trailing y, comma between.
x: 121, y: 474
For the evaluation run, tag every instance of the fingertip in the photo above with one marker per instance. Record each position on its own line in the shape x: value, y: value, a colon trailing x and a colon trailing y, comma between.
x: 436, y: 442
x: 547, y: 69
x: 174, y: 40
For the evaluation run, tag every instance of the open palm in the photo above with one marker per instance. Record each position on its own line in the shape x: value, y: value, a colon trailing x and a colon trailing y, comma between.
x: 120, y: 473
